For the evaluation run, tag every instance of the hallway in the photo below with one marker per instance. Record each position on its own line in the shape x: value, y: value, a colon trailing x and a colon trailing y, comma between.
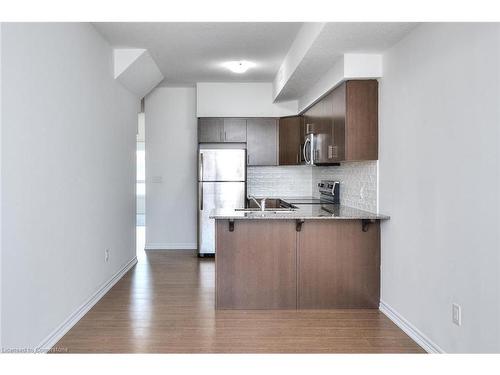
x: 165, y: 304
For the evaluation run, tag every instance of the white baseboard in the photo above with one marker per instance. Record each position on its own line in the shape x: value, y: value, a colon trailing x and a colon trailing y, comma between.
x: 171, y: 246
x: 409, y: 329
x: 60, y: 331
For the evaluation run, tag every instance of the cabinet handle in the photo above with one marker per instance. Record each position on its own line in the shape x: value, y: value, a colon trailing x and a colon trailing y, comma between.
x: 298, y: 224
x: 248, y: 159
x: 225, y: 138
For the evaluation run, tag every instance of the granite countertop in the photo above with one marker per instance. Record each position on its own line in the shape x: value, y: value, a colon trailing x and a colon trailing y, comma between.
x: 303, y: 211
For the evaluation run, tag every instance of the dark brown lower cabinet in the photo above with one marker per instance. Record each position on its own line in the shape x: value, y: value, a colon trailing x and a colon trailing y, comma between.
x: 338, y: 265
x: 267, y: 264
x: 256, y: 265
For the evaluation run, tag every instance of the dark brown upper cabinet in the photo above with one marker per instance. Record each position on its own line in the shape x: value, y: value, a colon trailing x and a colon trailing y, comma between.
x: 347, y: 121
x: 222, y: 130
x: 361, y: 118
x: 262, y: 145
x: 210, y: 129
x: 291, y: 139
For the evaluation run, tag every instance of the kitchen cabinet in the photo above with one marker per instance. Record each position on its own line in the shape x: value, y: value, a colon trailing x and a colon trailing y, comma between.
x: 347, y: 121
x: 291, y: 138
x: 361, y: 120
x: 235, y: 130
x: 256, y: 265
x: 210, y: 129
x: 272, y: 264
x: 218, y: 130
x: 338, y: 265
x: 318, y: 118
x: 262, y: 145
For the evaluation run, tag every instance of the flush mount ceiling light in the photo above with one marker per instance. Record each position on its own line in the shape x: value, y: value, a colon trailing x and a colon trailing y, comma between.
x: 240, y: 66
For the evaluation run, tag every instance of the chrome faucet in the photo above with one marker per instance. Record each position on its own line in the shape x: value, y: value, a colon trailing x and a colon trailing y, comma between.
x: 261, y: 205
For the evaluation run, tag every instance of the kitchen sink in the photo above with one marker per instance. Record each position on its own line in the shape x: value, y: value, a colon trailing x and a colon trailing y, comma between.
x: 272, y: 204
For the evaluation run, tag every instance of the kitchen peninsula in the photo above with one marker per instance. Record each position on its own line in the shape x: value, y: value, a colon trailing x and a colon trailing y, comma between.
x: 280, y: 253
x: 309, y: 257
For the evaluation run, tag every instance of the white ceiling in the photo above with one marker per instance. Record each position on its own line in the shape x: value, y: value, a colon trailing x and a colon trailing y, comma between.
x: 338, y: 38
x: 191, y: 52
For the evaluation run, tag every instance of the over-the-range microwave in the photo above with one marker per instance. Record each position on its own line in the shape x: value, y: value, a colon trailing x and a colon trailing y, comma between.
x: 322, y: 148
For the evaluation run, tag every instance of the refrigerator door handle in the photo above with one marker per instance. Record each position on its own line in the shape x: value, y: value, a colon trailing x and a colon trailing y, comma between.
x: 201, y: 167
x: 201, y: 196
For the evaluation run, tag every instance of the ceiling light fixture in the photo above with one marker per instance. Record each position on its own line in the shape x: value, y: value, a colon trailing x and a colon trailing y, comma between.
x: 239, y: 67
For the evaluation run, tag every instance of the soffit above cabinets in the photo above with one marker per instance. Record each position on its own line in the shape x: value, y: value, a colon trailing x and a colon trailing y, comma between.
x: 318, y: 47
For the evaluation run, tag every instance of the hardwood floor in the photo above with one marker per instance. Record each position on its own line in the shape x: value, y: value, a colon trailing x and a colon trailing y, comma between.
x: 165, y: 304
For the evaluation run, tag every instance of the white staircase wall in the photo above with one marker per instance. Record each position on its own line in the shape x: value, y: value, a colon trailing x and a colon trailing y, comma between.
x: 136, y: 70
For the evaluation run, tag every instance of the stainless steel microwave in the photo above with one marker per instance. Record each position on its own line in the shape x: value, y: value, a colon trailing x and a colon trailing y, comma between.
x: 320, y: 149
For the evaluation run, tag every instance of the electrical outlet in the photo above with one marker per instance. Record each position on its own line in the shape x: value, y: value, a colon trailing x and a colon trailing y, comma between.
x: 457, y: 314
x: 106, y: 255
x: 157, y: 179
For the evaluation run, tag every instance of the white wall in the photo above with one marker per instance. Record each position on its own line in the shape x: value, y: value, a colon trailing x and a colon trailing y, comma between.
x: 1, y: 298
x: 439, y: 181
x: 171, y: 156
x: 68, y: 175
x: 216, y: 99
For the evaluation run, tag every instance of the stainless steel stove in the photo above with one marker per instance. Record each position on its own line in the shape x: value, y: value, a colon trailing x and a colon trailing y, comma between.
x: 329, y: 194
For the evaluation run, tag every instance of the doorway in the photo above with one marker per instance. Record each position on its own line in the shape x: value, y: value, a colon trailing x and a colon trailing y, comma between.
x: 141, y: 185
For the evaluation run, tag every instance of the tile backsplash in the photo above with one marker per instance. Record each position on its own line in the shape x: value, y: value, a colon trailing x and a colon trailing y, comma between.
x: 358, y: 182
x: 283, y: 181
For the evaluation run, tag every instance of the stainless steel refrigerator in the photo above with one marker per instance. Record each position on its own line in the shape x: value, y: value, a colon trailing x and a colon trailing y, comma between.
x: 221, y: 184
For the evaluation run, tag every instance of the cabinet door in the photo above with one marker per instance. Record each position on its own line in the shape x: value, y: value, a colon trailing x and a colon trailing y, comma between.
x: 262, y: 141
x: 256, y: 265
x: 318, y: 117
x: 210, y: 129
x: 362, y: 120
x: 339, y: 265
x: 290, y: 140
x: 338, y: 107
x: 235, y: 130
